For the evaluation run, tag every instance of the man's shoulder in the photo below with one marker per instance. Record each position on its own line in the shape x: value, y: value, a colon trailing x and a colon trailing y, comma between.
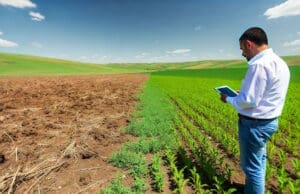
x: 267, y: 59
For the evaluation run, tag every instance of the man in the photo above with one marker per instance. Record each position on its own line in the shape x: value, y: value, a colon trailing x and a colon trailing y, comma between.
x: 259, y: 103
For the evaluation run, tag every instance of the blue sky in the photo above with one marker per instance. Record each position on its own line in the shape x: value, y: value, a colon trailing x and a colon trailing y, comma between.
x: 109, y: 31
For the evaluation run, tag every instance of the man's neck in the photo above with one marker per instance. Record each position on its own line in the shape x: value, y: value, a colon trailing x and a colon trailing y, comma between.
x: 257, y: 49
x: 261, y: 48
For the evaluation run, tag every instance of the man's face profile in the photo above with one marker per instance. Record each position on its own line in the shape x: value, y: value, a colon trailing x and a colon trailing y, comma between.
x: 245, y: 50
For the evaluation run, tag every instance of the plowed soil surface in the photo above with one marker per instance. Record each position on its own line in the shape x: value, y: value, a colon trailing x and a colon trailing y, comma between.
x: 56, y: 133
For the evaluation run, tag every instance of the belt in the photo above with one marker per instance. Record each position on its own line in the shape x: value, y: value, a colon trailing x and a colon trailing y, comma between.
x: 254, y: 119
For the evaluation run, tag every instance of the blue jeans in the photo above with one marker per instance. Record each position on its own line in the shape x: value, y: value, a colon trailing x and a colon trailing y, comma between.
x: 253, y: 136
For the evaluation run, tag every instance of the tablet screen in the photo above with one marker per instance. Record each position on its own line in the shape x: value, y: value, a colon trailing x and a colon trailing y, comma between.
x: 227, y: 91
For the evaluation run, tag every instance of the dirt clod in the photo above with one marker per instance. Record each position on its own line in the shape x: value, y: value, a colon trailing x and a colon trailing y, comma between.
x: 2, y: 158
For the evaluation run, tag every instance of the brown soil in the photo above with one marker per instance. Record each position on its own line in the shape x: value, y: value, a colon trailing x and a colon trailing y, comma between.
x: 56, y: 133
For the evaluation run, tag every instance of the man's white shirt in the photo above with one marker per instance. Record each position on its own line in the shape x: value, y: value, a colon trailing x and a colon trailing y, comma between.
x: 264, y: 87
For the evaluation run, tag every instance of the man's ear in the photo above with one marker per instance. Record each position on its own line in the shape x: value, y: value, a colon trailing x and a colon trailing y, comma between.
x: 248, y: 44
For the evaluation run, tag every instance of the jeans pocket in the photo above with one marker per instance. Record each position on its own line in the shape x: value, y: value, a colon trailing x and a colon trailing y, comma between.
x: 261, y: 133
x: 267, y: 129
x: 256, y: 138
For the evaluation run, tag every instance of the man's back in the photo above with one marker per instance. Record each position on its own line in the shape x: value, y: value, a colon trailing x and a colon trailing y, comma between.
x: 264, y: 88
x: 276, y: 74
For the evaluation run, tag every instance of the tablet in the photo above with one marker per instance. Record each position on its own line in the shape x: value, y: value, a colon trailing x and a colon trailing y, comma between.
x: 226, y: 90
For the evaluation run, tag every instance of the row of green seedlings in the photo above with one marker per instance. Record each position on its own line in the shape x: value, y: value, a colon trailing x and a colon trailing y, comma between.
x: 284, y: 182
x: 228, y: 143
x: 131, y: 157
x: 213, y: 113
x: 132, y: 161
x: 207, y: 105
x: 178, y: 175
x: 116, y: 186
x: 214, y: 171
x: 287, y: 184
x: 205, y: 152
x: 278, y: 160
x: 224, y: 135
x: 139, y: 186
x: 194, y: 178
x: 289, y: 136
x: 205, y: 143
x: 157, y: 175
x: 137, y: 167
x: 283, y: 157
x: 214, y: 120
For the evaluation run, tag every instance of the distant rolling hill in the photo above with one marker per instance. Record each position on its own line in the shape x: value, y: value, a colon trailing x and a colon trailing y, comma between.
x: 25, y: 65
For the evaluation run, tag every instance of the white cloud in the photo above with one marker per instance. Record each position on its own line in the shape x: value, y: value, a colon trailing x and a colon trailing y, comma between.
x: 84, y: 58
x: 288, y: 8
x: 18, y: 3
x: 145, y: 54
x: 198, y: 28
x: 1, y: 33
x: 179, y: 51
x: 37, y: 45
x: 6, y: 43
x: 161, y: 58
x: 95, y: 58
x: 142, y: 55
x: 292, y: 43
x: 36, y: 16
x: 104, y: 57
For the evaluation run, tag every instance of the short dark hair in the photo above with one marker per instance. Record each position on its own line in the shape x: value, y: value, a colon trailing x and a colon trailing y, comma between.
x: 256, y: 35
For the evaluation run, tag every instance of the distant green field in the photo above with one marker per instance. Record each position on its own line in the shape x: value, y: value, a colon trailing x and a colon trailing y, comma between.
x: 25, y: 65
x: 21, y: 65
x: 221, y: 73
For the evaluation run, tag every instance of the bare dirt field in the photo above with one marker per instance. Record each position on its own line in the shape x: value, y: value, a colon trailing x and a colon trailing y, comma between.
x: 56, y: 133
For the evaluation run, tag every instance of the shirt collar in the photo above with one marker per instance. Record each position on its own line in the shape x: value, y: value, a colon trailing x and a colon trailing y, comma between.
x: 260, y: 55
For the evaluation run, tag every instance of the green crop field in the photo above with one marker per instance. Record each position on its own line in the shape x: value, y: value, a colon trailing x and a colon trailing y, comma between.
x: 182, y: 105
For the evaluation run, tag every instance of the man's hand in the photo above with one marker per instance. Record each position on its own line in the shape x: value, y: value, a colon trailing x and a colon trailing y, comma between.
x: 223, y: 98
